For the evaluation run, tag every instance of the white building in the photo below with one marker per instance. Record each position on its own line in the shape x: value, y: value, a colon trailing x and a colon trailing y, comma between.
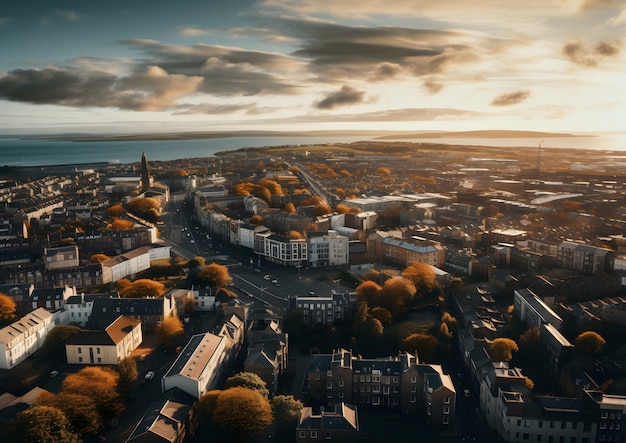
x: 328, y: 249
x: 132, y: 262
x: 23, y: 337
x: 108, y: 347
x: 284, y: 250
x: 198, y: 367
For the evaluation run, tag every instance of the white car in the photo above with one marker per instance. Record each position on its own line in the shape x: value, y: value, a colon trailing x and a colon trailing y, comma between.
x: 149, y: 375
x: 54, y: 374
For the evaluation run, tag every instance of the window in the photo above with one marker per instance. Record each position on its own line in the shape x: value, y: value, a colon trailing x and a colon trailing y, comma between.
x: 80, y: 359
x: 99, y: 360
x: 376, y: 401
x: 328, y: 436
x: 446, y: 400
x: 446, y: 409
x: 80, y: 350
x: 329, y: 373
x: 539, y: 437
x: 526, y: 436
x: 572, y: 440
x: 413, y: 379
x: 313, y: 434
x: 317, y: 376
x: 329, y: 385
x: 340, y: 382
x: 340, y: 394
x: 412, y: 399
x: 302, y: 434
x: 97, y: 350
x: 446, y: 420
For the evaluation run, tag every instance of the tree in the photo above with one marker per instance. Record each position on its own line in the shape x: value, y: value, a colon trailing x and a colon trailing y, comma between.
x: 286, y: 409
x: 141, y: 288
x: 289, y: 208
x: 371, y: 328
x: 207, y: 403
x: 168, y: 331
x: 444, y: 332
x: 121, y: 225
x: 42, y: 424
x: 530, y: 339
x: 56, y: 338
x: 590, y: 341
x: 215, y: 275
x: 502, y: 349
x: 425, y: 344
x: 256, y: 220
x: 127, y: 368
x: 146, y: 208
x: 79, y: 409
x: 7, y: 307
x: 322, y: 209
x: 368, y: 292
x: 383, y: 171
x: 196, y: 262
x: 99, y: 258
x: 99, y: 384
x: 449, y: 320
x: 396, y: 295
x: 248, y: 380
x: 382, y: 314
x: 115, y: 210
x: 295, y: 235
x: 244, y: 412
x: 423, y: 277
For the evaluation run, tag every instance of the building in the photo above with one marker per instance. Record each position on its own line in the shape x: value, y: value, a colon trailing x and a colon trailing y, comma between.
x: 62, y: 257
x: 151, y: 311
x: 198, y: 366
x: 284, y: 250
x: 23, y: 337
x: 108, y: 347
x: 51, y: 299
x: 584, y: 258
x: 403, y: 252
x: 341, y: 423
x: 394, y: 383
x: 529, y: 308
x: 170, y: 419
x: 328, y: 249
x: 336, y: 308
x: 132, y: 262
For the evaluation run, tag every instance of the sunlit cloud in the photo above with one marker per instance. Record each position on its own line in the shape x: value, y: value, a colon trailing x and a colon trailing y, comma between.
x: 579, y: 53
x: 512, y: 98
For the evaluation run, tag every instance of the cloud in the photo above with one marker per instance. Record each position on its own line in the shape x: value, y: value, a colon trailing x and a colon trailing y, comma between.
x: 344, y: 97
x: 151, y: 90
x: 221, y: 109
x: 512, y: 98
x: 432, y: 86
x: 64, y: 15
x: 226, y: 71
x: 579, y: 53
x: 393, y: 115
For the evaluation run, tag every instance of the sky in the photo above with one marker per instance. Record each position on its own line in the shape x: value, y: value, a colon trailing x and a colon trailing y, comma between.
x: 126, y: 66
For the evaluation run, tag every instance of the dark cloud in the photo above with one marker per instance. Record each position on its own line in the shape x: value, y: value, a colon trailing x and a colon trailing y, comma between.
x: 345, y: 96
x: 151, y: 90
x: 580, y: 54
x: 337, y: 53
x: 226, y: 71
x: 512, y: 98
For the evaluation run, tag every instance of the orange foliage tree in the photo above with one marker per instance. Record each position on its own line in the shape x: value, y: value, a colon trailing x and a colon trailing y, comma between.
x: 98, y: 258
x: 423, y: 277
x: 368, y: 292
x: 115, y: 210
x: 79, y: 409
x: 99, y: 384
x: 7, y: 307
x: 244, y: 412
x: 141, y: 288
x: 425, y: 344
x: 121, y: 225
x: 168, y: 330
x: 215, y: 275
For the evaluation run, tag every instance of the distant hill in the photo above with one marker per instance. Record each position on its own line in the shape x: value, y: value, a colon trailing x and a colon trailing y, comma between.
x: 494, y: 133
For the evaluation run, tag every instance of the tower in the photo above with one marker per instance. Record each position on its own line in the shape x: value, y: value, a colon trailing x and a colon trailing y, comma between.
x: 145, y: 173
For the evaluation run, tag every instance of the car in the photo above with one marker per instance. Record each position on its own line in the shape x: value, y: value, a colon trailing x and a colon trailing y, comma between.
x: 467, y: 393
x: 149, y: 375
x: 54, y: 374
x: 266, y: 277
x: 275, y: 281
x: 257, y: 270
x: 192, y: 241
x: 311, y: 293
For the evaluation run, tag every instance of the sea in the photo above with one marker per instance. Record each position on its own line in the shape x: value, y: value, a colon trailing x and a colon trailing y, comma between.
x: 42, y: 152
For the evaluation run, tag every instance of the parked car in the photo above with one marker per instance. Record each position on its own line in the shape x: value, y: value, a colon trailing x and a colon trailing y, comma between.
x: 149, y: 375
x: 275, y: 281
x: 54, y: 374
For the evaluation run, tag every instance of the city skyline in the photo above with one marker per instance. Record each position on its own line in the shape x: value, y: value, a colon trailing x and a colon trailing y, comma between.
x: 283, y: 65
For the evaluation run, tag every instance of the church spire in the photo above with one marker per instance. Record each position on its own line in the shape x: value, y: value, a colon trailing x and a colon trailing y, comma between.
x: 145, y: 173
